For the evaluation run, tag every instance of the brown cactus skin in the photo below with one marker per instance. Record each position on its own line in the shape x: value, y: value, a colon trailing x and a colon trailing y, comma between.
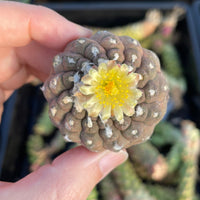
x: 75, y: 62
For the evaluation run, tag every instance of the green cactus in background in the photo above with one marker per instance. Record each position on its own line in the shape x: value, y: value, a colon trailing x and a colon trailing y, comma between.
x: 138, y: 30
x: 129, y: 184
x: 171, y: 61
x: 93, y: 195
x: 165, y: 30
x: 174, y: 157
x: 165, y: 133
x: 162, y: 192
x: 148, y: 162
x: 160, y: 42
x: 177, y: 87
x: 179, y: 83
x: 39, y: 152
x: 57, y: 143
x: 109, y: 190
x: 35, y: 143
x: 186, y: 190
x: 142, y: 29
x: 43, y: 124
x: 174, y: 73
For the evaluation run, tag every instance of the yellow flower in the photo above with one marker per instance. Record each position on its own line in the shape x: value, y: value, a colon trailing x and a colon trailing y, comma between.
x: 111, y: 90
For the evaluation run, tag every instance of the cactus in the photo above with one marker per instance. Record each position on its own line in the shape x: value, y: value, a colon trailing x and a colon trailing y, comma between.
x: 93, y: 195
x: 174, y: 157
x: 41, y: 153
x: 174, y: 73
x: 171, y: 61
x: 178, y: 88
x: 43, y: 124
x: 170, y: 21
x: 108, y: 189
x: 35, y: 143
x: 186, y: 190
x: 106, y: 92
x: 138, y: 30
x: 57, y: 144
x: 148, y: 162
x: 129, y: 184
x: 165, y: 31
x: 165, y: 133
x: 162, y: 192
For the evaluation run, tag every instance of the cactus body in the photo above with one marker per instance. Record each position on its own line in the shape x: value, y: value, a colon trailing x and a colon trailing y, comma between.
x: 106, y: 92
x: 165, y: 133
x: 109, y: 190
x: 190, y: 154
x: 129, y: 184
x: 171, y: 60
x: 138, y: 30
x: 35, y: 144
x: 174, y: 157
x: 43, y: 124
x: 148, y: 162
x: 162, y: 192
x: 39, y: 152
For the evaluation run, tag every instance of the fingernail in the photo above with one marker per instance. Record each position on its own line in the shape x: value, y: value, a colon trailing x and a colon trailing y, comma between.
x: 111, y: 160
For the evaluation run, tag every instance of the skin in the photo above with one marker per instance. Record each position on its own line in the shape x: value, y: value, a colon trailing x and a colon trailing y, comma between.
x: 30, y: 37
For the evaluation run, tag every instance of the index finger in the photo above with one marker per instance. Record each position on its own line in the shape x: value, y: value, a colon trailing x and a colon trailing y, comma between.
x: 21, y: 23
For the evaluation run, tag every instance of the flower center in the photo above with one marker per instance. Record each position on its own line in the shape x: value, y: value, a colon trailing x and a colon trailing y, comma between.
x: 110, y: 88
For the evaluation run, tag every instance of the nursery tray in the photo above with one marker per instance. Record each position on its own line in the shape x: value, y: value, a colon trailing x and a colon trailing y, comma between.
x: 20, y: 113
x: 102, y: 14
x: 114, y: 1
x: 196, y: 17
x: 5, y: 126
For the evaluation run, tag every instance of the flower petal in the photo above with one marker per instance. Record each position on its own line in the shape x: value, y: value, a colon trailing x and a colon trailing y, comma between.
x: 124, y: 68
x: 78, y: 106
x: 102, y: 68
x: 80, y: 97
x: 87, y: 79
x: 111, y: 64
x: 133, y: 78
x: 106, y: 112
x: 94, y: 74
x: 90, y: 102
x: 118, y: 114
x: 128, y: 110
x: 87, y: 90
x: 95, y: 110
x: 132, y: 102
x: 136, y: 93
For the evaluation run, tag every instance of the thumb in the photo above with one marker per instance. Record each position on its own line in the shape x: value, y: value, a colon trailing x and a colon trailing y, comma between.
x: 71, y: 176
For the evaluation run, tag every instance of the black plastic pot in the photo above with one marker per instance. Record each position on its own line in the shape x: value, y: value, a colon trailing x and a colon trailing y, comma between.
x: 196, y: 16
x: 72, y: 1
x: 5, y: 125
x: 18, y: 118
x: 102, y: 14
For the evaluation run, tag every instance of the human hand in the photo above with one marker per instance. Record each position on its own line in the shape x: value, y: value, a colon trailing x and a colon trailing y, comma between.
x: 30, y: 36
